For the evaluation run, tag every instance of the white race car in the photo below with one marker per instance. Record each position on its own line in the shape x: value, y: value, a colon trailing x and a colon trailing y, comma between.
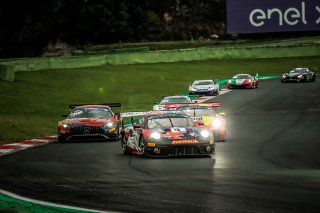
x: 204, y: 87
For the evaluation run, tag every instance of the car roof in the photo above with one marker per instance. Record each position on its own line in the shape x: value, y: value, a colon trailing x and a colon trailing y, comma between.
x: 242, y: 74
x: 177, y: 96
x: 195, y: 107
x: 163, y: 113
x: 300, y: 68
x: 202, y: 81
x: 93, y: 106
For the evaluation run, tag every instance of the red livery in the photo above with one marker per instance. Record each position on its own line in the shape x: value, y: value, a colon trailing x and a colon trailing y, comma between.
x: 90, y: 122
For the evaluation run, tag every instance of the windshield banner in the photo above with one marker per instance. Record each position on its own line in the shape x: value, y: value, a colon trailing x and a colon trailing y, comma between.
x: 251, y: 16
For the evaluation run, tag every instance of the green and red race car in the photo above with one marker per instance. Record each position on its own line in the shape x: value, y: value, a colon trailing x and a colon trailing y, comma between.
x: 243, y: 81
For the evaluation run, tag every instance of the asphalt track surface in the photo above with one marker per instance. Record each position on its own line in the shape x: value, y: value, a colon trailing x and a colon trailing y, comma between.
x: 270, y: 163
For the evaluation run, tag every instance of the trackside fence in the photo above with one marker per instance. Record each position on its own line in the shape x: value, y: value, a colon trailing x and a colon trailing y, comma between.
x: 9, y: 67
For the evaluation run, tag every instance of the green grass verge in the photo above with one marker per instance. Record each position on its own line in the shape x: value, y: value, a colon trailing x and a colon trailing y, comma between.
x: 32, y: 105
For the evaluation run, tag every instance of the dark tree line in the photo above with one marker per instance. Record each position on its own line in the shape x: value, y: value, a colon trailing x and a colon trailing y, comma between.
x: 27, y: 27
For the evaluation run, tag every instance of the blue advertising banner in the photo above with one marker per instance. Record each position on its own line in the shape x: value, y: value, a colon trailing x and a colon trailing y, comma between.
x: 251, y: 16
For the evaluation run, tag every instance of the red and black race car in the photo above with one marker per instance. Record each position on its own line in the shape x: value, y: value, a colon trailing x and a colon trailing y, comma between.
x: 166, y: 134
x: 204, y: 114
x: 90, y: 122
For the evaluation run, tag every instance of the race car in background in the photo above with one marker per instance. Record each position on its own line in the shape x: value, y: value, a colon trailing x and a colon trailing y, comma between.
x: 243, y: 81
x: 204, y: 87
x: 90, y: 122
x: 166, y: 134
x: 204, y: 114
x: 172, y: 102
x: 299, y: 75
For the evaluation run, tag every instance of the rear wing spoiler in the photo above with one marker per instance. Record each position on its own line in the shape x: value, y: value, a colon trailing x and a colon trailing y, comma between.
x: 211, y: 104
x: 133, y: 118
x: 132, y: 114
x: 72, y: 106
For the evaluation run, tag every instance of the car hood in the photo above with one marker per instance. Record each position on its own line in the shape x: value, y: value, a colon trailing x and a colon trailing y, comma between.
x: 179, y: 132
x: 205, y: 87
x: 88, y: 121
x: 240, y: 81
x: 292, y: 74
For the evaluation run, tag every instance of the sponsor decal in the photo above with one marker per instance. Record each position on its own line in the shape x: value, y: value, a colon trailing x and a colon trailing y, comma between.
x: 185, y: 141
x: 152, y: 144
x: 250, y: 16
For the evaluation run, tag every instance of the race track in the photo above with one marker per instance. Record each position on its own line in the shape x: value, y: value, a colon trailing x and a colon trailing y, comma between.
x: 270, y: 163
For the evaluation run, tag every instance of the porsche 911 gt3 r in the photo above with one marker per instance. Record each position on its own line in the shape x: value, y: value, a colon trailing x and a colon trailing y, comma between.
x: 204, y: 87
x: 90, y: 122
x: 299, y: 75
x: 243, y: 81
x: 167, y: 134
x: 204, y: 114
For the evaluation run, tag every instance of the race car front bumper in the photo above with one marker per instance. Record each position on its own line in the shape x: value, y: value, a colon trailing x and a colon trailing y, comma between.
x: 180, y: 150
x: 204, y: 92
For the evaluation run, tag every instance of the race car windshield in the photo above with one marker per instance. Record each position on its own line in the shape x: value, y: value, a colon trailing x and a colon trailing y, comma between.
x: 90, y: 113
x: 241, y: 77
x: 297, y: 70
x: 197, y: 112
x: 198, y: 83
x: 175, y: 101
x: 168, y: 122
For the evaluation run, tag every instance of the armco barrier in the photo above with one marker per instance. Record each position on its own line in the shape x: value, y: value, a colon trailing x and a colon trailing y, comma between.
x: 8, y: 68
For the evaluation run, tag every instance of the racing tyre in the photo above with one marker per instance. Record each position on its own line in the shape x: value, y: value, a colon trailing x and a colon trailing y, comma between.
x: 305, y: 78
x: 61, y: 139
x: 124, y: 146
x: 313, y: 79
x: 142, y: 146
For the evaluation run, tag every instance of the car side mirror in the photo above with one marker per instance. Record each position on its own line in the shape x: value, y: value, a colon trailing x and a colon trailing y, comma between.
x: 64, y: 116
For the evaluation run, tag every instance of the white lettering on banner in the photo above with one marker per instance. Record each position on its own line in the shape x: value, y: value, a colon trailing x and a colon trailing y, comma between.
x: 291, y: 16
x: 260, y: 17
x: 318, y: 20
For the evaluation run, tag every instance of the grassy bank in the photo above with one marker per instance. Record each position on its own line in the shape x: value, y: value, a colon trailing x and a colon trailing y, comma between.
x: 32, y: 105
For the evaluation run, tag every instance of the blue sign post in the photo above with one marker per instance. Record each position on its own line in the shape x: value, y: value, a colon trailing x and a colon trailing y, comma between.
x: 251, y: 16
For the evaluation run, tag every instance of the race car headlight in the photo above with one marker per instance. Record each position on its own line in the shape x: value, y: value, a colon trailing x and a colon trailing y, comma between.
x: 216, y: 123
x: 299, y: 76
x: 204, y: 133
x: 193, y: 89
x: 250, y: 80
x: 155, y: 135
x: 108, y: 125
x: 65, y: 126
x: 229, y: 82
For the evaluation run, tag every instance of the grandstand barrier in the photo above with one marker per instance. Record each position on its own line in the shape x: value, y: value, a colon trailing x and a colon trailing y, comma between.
x: 9, y: 67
